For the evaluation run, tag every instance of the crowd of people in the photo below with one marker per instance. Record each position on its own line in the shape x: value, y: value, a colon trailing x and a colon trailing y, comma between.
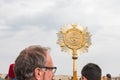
x: 35, y: 63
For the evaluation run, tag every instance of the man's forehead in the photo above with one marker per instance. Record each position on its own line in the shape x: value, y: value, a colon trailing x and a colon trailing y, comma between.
x: 49, y: 61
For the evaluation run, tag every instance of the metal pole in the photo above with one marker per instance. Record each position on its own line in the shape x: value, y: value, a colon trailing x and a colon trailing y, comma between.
x: 74, y: 65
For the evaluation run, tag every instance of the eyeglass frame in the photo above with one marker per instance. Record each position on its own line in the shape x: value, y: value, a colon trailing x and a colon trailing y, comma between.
x: 49, y: 68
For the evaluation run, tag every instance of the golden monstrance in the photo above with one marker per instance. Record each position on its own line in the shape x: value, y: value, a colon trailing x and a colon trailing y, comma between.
x: 74, y: 39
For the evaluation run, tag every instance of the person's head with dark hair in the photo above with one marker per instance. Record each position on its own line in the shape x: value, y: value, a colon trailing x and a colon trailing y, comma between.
x: 34, y: 63
x: 108, y: 76
x: 91, y: 71
x: 6, y: 77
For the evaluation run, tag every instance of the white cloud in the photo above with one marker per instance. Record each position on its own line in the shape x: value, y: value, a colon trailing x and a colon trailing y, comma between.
x: 21, y: 7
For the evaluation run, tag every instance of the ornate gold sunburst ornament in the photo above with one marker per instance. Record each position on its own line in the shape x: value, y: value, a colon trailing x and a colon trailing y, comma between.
x: 74, y: 37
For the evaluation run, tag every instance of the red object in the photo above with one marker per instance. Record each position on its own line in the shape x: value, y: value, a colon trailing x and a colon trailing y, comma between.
x: 11, y: 71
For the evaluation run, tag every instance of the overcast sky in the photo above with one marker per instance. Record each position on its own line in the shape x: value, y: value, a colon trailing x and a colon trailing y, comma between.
x: 36, y: 22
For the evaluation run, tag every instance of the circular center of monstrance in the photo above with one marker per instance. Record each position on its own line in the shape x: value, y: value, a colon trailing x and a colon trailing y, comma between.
x: 74, y: 38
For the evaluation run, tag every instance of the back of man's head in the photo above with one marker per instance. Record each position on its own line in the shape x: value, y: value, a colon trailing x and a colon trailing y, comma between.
x: 108, y: 76
x: 91, y: 71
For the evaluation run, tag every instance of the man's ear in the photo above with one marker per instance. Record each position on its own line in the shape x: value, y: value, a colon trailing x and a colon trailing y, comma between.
x: 84, y: 78
x: 38, y: 73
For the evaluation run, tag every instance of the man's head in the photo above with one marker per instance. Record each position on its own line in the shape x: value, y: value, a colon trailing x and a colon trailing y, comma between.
x: 33, y: 63
x: 91, y: 71
x: 108, y: 76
